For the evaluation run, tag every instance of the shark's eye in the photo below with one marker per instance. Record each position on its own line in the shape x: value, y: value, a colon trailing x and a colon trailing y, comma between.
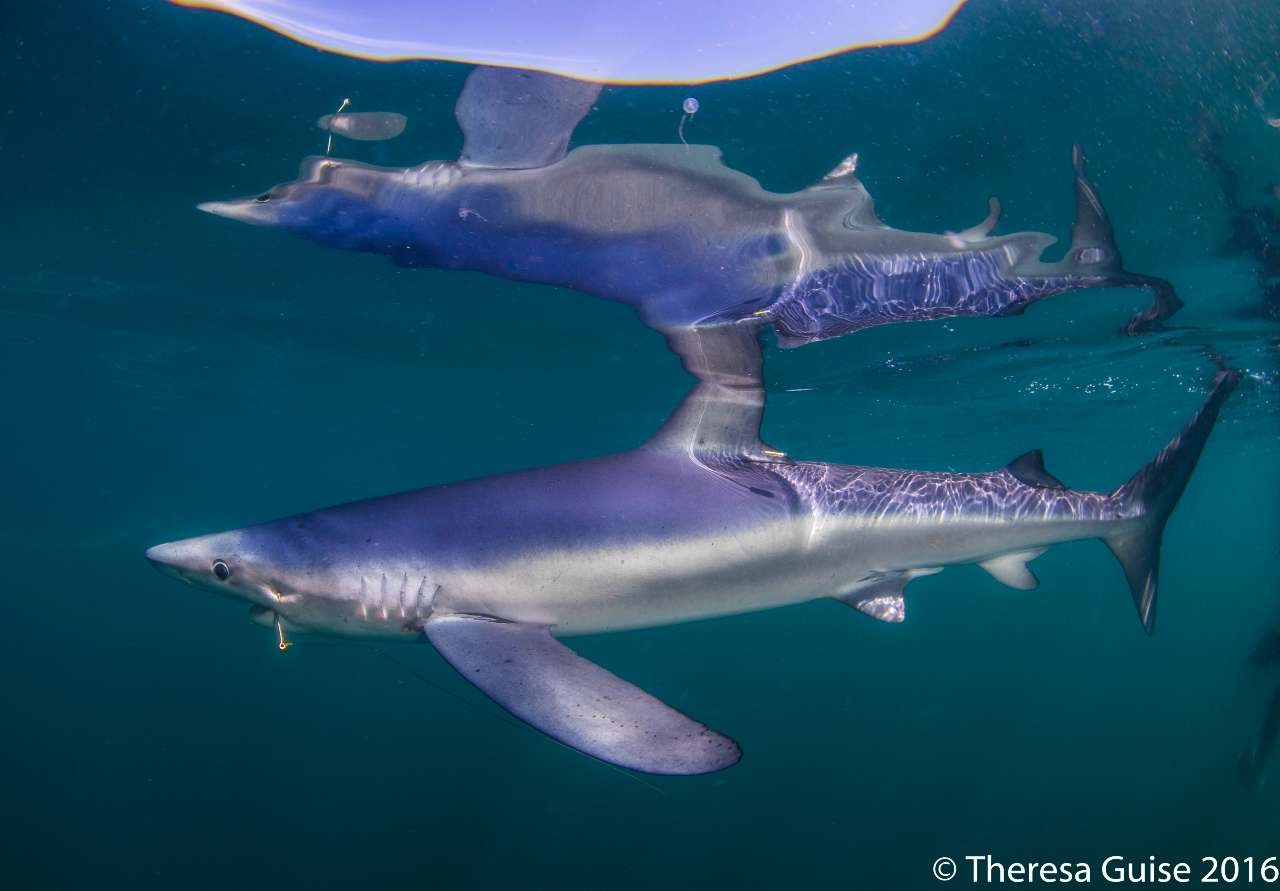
x: 265, y: 196
x: 221, y: 570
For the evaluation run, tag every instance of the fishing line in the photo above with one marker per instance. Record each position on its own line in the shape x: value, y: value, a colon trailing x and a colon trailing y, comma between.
x: 328, y: 148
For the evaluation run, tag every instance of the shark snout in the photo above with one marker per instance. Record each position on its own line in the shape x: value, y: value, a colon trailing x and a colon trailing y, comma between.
x: 179, y: 558
x: 216, y: 561
x: 246, y: 210
x: 205, y: 558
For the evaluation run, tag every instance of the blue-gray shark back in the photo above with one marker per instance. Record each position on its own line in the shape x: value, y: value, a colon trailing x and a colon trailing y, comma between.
x: 703, y: 520
x: 672, y: 231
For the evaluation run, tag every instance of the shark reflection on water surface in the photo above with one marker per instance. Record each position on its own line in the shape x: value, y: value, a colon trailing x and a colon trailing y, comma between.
x: 673, y: 232
x: 703, y: 520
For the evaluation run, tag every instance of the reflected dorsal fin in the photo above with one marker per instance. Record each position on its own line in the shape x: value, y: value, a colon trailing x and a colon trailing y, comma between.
x: 1029, y: 469
x: 519, y: 119
x: 721, y: 415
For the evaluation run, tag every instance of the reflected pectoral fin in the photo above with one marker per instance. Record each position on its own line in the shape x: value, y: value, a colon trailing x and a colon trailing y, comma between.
x: 541, y: 681
x: 519, y: 119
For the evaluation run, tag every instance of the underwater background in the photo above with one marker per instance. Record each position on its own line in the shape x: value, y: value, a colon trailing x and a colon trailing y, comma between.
x: 167, y: 373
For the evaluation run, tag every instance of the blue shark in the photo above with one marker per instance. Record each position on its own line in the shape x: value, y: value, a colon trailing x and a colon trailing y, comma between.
x: 673, y: 232
x: 702, y: 520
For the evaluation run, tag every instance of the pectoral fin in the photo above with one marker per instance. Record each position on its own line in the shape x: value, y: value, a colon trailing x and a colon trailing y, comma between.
x: 1011, y: 569
x: 540, y: 680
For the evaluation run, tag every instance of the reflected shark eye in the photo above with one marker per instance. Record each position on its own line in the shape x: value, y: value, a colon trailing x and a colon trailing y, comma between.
x: 221, y: 570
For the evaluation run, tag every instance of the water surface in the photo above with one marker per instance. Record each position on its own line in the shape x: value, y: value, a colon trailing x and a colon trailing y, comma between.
x: 170, y: 374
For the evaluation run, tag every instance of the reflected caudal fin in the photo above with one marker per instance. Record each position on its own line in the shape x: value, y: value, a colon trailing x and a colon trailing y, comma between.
x: 1093, y: 242
x: 519, y: 119
x: 1150, y: 496
x: 975, y: 275
x: 1095, y: 257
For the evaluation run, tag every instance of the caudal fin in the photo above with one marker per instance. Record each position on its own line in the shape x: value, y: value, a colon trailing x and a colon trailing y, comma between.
x: 1094, y: 254
x: 1150, y: 496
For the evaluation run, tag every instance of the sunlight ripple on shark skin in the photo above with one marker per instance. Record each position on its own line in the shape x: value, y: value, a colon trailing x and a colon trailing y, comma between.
x: 703, y: 520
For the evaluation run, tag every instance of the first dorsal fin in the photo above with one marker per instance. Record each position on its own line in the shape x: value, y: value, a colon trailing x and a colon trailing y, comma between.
x: 1029, y: 469
x: 721, y: 415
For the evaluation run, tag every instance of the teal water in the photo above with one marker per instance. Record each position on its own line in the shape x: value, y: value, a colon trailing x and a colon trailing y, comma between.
x: 169, y: 374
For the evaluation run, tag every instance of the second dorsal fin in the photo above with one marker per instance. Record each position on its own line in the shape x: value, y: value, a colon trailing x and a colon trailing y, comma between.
x: 1029, y: 469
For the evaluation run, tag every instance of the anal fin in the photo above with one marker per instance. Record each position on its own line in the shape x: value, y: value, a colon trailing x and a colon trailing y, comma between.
x: 1011, y: 569
x: 541, y: 681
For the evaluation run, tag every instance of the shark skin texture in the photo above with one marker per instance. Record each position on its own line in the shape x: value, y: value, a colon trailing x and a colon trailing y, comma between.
x: 674, y: 233
x: 703, y: 520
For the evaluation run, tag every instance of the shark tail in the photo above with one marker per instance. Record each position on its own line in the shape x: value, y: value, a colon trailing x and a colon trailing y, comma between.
x: 1094, y: 255
x: 1149, y: 497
